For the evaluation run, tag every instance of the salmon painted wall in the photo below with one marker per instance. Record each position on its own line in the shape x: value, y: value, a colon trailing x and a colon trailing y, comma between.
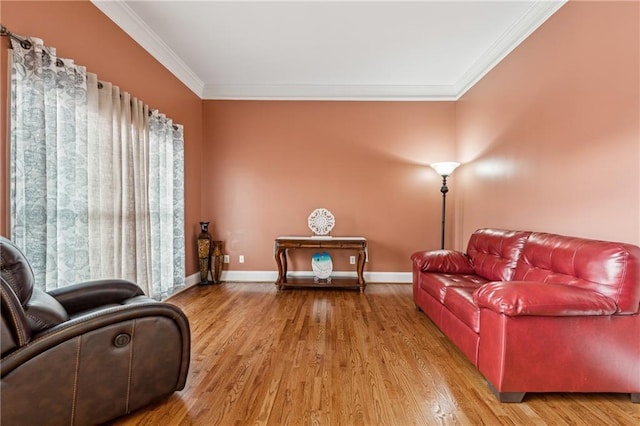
x: 551, y: 136
x: 82, y: 32
x: 269, y: 164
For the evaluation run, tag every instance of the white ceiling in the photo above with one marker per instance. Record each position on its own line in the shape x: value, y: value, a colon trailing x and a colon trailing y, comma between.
x: 356, y: 50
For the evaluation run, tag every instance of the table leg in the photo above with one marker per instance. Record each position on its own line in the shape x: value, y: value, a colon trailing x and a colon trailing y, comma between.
x: 284, y: 265
x: 362, y: 258
x: 282, y: 271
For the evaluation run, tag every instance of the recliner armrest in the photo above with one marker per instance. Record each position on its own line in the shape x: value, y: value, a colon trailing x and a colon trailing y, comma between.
x: 444, y: 261
x: 517, y: 298
x: 92, y: 294
x: 97, y: 320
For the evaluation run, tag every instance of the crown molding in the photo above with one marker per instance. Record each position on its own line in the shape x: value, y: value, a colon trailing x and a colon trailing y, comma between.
x: 120, y: 13
x: 329, y: 92
x: 123, y: 16
x: 535, y: 16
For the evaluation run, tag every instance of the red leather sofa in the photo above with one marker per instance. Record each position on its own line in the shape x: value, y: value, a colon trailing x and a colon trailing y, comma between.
x: 537, y: 312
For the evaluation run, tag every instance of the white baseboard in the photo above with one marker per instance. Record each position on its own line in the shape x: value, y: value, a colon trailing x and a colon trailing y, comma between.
x: 271, y: 276
x: 189, y: 281
x: 192, y: 280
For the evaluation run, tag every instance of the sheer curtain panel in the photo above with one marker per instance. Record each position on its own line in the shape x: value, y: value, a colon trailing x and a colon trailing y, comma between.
x: 97, y: 185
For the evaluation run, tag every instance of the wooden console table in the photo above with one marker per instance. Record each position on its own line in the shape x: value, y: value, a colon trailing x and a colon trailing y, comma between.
x: 284, y: 244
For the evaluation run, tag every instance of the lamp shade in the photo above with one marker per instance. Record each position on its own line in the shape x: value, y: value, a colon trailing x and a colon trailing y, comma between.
x: 445, y: 168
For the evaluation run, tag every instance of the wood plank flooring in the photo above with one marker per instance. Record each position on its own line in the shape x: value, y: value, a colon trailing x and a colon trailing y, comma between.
x: 339, y: 357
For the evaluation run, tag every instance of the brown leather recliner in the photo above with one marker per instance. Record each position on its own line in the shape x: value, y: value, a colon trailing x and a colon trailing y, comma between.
x: 86, y: 353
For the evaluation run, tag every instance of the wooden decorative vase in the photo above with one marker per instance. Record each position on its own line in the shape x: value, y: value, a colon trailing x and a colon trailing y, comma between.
x: 204, y: 252
x: 217, y: 258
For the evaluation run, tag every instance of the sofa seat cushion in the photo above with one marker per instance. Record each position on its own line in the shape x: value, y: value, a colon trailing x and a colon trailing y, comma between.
x: 517, y: 298
x: 459, y: 301
x: 436, y: 284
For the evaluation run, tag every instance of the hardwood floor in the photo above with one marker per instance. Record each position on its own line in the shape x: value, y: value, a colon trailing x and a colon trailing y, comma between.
x: 321, y: 357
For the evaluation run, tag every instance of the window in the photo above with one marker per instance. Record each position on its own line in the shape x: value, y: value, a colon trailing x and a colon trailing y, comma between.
x: 97, y: 185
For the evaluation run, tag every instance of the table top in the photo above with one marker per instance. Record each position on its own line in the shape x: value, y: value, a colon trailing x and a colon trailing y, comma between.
x: 321, y: 238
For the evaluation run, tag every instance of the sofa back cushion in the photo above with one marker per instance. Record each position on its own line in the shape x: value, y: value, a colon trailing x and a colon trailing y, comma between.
x: 494, y: 252
x: 609, y: 268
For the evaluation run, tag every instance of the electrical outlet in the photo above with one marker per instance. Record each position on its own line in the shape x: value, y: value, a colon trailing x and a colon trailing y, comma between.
x: 225, y: 259
x: 241, y: 259
x: 352, y: 260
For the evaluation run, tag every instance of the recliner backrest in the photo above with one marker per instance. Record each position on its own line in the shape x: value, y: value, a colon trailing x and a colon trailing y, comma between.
x: 495, y: 252
x: 16, y: 270
x: 15, y: 330
x: 28, y: 309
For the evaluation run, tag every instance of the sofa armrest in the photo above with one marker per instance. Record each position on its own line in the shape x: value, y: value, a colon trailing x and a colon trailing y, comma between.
x: 516, y: 298
x: 92, y: 294
x: 444, y: 261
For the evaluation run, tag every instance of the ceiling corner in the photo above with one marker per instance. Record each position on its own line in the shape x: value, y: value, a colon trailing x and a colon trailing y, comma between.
x: 127, y: 19
x: 123, y: 16
x: 535, y: 16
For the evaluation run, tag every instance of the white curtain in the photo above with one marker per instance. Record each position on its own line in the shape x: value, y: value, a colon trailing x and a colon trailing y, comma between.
x: 166, y: 202
x: 96, y: 178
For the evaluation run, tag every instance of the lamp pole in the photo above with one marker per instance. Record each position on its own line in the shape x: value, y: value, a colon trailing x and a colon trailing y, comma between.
x: 444, y: 169
x: 444, y: 191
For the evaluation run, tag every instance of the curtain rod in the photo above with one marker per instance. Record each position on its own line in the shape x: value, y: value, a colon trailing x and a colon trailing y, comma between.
x: 22, y: 40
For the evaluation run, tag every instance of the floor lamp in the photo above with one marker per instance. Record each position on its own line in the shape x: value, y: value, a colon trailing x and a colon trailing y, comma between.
x: 444, y: 169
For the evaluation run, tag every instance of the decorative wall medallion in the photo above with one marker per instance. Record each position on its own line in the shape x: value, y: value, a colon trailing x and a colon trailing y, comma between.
x: 321, y: 221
